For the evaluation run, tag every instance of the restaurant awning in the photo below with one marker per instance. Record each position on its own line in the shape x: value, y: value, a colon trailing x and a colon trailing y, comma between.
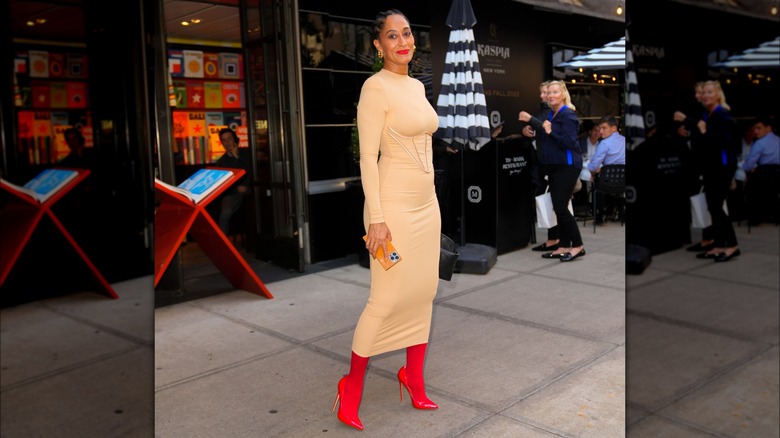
x: 610, y: 56
x: 766, y: 55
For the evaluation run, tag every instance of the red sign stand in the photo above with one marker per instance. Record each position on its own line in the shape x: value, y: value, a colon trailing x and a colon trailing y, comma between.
x: 22, y: 215
x: 177, y: 215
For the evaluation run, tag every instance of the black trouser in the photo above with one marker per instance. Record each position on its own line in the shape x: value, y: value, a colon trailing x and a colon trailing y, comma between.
x: 716, y: 189
x: 562, y: 179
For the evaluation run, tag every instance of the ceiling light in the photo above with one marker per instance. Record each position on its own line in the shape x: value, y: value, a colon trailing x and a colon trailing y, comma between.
x: 195, y: 21
x: 40, y: 20
x: 30, y: 23
x: 619, y: 9
x: 185, y: 23
x: 773, y: 10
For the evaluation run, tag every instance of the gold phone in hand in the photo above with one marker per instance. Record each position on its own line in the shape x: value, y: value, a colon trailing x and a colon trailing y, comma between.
x: 392, y: 259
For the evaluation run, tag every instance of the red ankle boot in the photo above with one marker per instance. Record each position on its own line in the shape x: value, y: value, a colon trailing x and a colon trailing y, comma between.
x: 350, y: 391
x: 411, y: 376
x: 419, y: 402
x: 348, y: 419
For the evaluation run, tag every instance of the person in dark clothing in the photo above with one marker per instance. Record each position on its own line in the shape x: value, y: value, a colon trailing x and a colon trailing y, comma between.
x: 538, y: 175
x: 556, y: 136
x: 79, y: 157
x: 715, y: 146
x: 237, y: 158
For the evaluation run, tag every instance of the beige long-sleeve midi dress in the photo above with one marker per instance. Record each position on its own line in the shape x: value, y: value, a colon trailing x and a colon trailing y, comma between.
x: 396, y: 123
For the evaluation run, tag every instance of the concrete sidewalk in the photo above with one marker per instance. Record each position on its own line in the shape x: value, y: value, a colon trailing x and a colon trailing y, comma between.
x: 702, y: 339
x: 534, y: 348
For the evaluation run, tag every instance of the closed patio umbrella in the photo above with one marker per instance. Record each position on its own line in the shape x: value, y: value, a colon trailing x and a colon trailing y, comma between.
x: 634, y: 120
x: 463, y: 118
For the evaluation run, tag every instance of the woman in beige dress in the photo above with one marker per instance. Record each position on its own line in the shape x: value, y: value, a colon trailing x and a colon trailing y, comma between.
x: 395, y: 123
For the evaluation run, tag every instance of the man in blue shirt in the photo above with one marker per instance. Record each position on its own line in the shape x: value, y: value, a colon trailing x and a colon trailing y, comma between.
x: 610, y: 150
x: 612, y: 147
x: 763, y: 174
x: 765, y: 148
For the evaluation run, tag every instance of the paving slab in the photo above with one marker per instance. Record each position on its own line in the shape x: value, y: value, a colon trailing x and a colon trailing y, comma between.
x: 303, y: 308
x: 291, y: 394
x: 197, y: 342
x: 748, y: 268
x: 499, y: 426
x: 711, y: 303
x: 594, y: 311
x: 493, y: 362
x: 108, y: 398
x: 654, y: 427
x: 651, y: 274
x: 36, y: 342
x: 743, y: 403
x: 131, y: 315
x: 584, y: 403
x: 667, y: 361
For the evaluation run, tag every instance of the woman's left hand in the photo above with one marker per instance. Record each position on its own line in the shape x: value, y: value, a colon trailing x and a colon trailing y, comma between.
x: 702, y: 125
x: 377, y: 236
x: 547, y: 126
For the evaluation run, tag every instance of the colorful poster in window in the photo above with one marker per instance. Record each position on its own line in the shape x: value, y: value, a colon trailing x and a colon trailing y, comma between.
x: 77, y: 94
x: 41, y: 94
x: 39, y: 64
x: 59, y: 95
x: 176, y: 63
x: 213, y: 94
x: 196, y: 138
x: 231, y: 95
x: 195, y: 95
x: 210, y: 65
x: 230, y: 66
x: 193, y: 63
x: 76, y: 65
x: 216, y: 149
x: 56, y: 65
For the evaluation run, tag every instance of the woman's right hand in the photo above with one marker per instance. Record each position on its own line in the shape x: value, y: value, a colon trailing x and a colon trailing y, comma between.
x: 377, y: 236
x: 528, y: 131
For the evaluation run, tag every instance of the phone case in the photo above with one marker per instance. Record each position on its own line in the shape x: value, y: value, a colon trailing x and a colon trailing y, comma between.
x: 392, y: 260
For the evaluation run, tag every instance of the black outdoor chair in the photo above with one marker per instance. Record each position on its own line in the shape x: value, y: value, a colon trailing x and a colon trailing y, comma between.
x: 763, y: 195
x: 611, y: 181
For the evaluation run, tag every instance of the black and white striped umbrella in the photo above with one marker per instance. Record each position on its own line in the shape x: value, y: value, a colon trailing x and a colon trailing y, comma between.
x: 634, y: 120
x: 461, y: 107
x: 766, y: 55
x: 610, y: 56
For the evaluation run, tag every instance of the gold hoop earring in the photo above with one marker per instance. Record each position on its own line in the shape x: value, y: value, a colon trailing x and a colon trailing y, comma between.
x: 414, y: 47
x: 380, y: 55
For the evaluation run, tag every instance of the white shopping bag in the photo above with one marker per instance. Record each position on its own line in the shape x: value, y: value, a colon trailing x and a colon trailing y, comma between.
x: 700, y: 215
x: 545, y: 214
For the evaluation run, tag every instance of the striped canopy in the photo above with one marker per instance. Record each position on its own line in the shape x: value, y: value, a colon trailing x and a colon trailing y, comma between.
x: 634, y: 120
x: 611, y: 56
x: 461, y: 106
x: 766, y: 55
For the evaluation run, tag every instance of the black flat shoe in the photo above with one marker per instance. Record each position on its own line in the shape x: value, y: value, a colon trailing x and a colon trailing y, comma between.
x: 699, y: 248
x: 706, y: 255
x: 544, y: 247
x: 722, y: 257
x: 568, y: 257
x: 550, y: 255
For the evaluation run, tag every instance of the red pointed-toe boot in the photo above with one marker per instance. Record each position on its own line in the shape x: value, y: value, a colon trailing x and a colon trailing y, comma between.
x: 411, y: 377
x: 350, y: 391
